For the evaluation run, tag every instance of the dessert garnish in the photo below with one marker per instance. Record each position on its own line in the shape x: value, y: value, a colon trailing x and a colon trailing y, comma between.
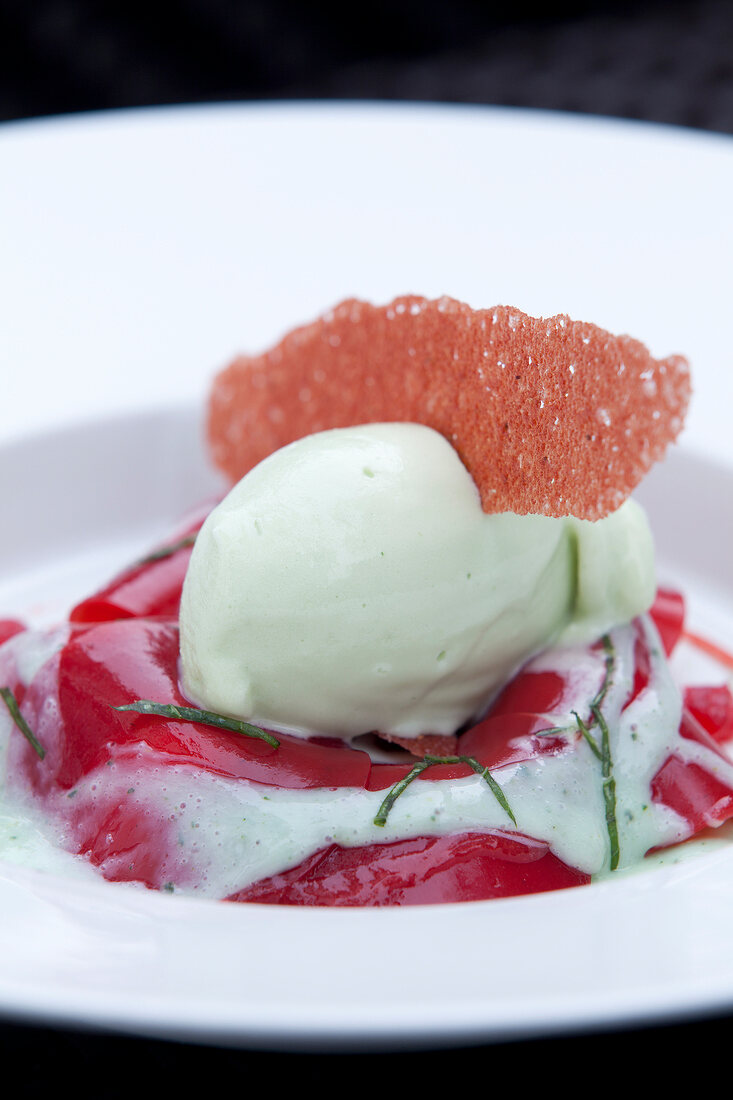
x: 204, y: 717
x: 427, y: 762
x: 12, y: 704
x: 549, y: 415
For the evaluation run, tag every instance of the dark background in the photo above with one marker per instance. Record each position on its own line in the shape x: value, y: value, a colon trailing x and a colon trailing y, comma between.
x: 666, y: 62
x: 663, y: 62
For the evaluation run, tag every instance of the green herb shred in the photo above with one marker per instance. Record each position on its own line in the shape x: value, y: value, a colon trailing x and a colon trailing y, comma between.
x: 427, y: 762
x: 204, y: 717
x: 167, y: 551
x: 12, y: 704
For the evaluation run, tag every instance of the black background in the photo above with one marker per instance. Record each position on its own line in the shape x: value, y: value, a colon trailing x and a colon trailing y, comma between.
x: 664, y: 62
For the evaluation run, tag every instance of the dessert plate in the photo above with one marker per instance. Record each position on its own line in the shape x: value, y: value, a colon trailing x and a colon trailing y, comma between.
x: 138, y: 252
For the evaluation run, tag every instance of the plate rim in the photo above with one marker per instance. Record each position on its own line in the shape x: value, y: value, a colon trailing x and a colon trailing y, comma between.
x: 707, y: 1000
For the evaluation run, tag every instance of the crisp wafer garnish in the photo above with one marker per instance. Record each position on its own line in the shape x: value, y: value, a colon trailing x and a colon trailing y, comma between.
x: 549, y: 416
x: 425, y: 744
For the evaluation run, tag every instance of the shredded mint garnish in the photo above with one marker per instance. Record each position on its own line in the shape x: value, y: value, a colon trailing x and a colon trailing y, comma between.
x: 609, y: 783
x: 592, y: 743
x: 167, y: 551
x: 427, y: 761
x: 609, y: 787
x: 205, y: 717
x: 395, y: 791
x: 12, y: 704
x: 551, y: 731
x: 610, y: 659
x: 602, y: 752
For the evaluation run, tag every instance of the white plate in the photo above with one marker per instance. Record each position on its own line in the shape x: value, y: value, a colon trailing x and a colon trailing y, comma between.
x: 137, y: 253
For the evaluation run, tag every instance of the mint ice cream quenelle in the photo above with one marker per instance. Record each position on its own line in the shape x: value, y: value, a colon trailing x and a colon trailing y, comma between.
x: 351, y: 582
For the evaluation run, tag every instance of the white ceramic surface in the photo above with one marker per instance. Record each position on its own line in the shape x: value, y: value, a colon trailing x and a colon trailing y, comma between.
x: 137, y: 253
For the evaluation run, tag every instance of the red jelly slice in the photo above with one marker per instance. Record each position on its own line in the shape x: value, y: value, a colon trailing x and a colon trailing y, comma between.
x: 424, y: 870
x: 149, y: 587
x: 70, y: 706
